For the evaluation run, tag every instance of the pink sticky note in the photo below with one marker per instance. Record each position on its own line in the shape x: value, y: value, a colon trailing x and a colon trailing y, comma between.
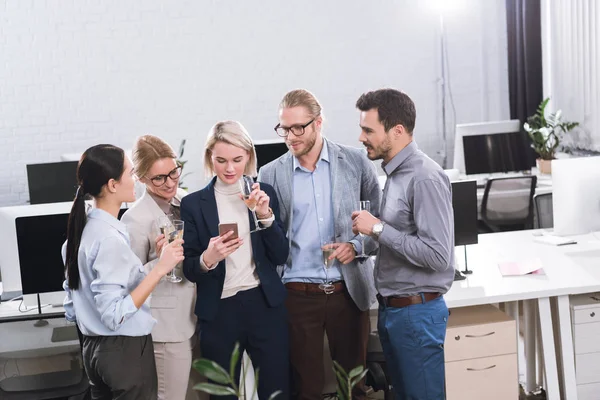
x: 511, y: 268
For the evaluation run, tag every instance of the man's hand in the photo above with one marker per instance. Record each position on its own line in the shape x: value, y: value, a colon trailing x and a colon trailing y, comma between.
x: 344, y: 252
x: 363, y: 221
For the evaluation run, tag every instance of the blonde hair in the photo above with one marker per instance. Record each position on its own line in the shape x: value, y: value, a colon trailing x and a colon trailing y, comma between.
x: 233, y: 133
x: 302, y: 98
x: 147, y: 150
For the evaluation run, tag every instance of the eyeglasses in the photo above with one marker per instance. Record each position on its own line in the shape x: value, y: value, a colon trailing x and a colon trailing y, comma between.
x: 160, y: 180
x: 296, y: 130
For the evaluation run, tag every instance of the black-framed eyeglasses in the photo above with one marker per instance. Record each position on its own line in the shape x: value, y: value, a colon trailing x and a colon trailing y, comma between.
x: 296, y: 130
x: 160, y: 180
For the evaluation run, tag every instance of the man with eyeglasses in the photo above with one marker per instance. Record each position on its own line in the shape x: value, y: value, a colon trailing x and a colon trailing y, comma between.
x: 319, y: 184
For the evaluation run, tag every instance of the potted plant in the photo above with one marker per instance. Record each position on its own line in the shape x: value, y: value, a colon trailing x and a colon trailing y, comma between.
x: 182, y: 164
x: 545, y: 133
x: 225, y: 384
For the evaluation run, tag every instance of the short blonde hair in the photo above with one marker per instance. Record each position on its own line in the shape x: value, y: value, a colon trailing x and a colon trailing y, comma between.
x: 147, y: 150
x: 233, y: 133
x: 302, y: 98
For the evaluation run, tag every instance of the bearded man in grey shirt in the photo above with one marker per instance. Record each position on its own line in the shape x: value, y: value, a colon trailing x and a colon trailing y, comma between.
x: 415, y: 259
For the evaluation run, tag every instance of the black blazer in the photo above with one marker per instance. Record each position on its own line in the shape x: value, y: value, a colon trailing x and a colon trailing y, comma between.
x: 270, y: 248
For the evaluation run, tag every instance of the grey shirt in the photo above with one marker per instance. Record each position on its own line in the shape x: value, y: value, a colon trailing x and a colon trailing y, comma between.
x: 416, y: 246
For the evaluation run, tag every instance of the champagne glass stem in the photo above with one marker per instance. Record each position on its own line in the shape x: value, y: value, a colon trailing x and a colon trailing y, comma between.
x: 362, y: 242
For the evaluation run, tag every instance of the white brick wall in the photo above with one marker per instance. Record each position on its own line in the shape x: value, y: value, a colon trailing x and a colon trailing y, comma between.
x: 74, y: 73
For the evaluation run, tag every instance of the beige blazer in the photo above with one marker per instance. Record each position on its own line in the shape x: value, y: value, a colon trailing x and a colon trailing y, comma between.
x: 171, y: 304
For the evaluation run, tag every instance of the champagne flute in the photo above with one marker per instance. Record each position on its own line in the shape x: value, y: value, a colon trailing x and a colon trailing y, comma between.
x: 363, y: 206
x: 246, y: 186
x: 327, y: 248
x: 175, y: 233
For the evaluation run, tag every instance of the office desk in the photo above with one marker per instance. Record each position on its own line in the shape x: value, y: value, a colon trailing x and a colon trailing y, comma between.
x: 544, y: 185
x: 568, y: 270
x: 20, y: 338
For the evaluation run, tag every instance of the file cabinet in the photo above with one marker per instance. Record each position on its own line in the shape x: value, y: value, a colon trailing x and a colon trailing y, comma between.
x: 481, y: 355
x: 585, y: 323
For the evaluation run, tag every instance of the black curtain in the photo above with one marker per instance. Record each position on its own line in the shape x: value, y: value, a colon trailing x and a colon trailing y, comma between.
x: 524, y: 34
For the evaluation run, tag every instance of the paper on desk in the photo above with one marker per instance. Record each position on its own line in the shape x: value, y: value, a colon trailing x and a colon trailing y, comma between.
x: 517, y: 268
x: 553, y: 240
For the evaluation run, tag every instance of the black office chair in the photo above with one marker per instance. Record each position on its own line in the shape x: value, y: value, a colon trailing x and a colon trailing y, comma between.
x: 507, y: 204
x: 377, y: 377
x: 544, y: 217
x: 70, y: 384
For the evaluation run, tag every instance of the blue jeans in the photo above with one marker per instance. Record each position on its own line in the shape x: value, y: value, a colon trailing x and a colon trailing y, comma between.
x: 412, y: 339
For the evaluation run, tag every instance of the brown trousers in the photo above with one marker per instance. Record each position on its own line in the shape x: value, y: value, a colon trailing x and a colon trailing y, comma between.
x: 311, y: 315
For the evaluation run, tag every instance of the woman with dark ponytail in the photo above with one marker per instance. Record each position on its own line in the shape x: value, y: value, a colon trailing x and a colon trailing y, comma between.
x: 106, y: 284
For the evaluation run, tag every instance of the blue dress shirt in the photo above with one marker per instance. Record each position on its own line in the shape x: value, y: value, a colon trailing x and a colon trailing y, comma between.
x: 109, y: 271
x: 312, y: 223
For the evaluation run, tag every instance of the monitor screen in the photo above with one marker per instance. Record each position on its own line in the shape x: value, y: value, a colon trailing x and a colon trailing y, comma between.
x: 52, y: 182
x: 464, y: 203
x: 267, y: 152
x: 500, y: 152
x: 39, y: 241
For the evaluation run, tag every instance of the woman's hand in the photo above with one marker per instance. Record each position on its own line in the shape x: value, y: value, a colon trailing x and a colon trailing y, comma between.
x: 219, y: 248
x: 171, y: 255
x: 262, y: 202
x: 160, y: 242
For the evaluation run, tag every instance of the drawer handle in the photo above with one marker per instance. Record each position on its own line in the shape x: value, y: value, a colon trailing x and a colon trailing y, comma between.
x: 481, y: 369
x: 592, y: 314
x: 476, y: 336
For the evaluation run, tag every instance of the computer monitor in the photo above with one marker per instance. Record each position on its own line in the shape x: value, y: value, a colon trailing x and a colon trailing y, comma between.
x: 9, y: 246
x: 269, y: 150
x: 464, y: 203
x: 12, y: 244
x: 491, y: 147
x: 39, y: 241
x: 576, y: 195
x: 52, y: 182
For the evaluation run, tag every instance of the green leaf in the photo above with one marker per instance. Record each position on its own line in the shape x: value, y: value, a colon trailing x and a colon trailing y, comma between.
x: 216, y: 390
x: 235, y: 357
x: 275, y: 394
x: 356, y: 371
x: 211, y: 370
x: 358, y: 378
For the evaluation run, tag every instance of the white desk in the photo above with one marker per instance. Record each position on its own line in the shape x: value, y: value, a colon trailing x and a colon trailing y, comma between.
x: 544, y: 185
x: 23, y: 339
x: 565, y: 274
x: 568, y: 270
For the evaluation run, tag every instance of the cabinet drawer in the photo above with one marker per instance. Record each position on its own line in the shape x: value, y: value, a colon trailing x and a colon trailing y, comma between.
x: 587, y: 368
x: 490, y: 378
x: 586, y: 316
x: 588, y: 392
x: 476, y: 341
x: 585, y: 337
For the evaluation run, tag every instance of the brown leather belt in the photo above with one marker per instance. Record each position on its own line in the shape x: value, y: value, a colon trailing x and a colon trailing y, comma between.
x: 399, y: 302
x: 314, y: 287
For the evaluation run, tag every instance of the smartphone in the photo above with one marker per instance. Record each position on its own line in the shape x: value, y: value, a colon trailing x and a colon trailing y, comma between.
x: 224, y: 228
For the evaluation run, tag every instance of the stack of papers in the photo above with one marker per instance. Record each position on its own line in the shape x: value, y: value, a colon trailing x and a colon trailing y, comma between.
x: 554, y: 240
x: 517, y: 268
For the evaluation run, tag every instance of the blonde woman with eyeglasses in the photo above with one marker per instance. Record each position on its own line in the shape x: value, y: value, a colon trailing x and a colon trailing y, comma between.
x: 171, y: 304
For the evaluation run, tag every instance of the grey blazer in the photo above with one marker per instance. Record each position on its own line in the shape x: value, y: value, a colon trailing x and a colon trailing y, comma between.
x: 353, y: 178
x: 171, y: 304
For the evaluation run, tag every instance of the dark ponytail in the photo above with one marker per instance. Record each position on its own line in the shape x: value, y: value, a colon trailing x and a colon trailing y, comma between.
x: 97, y: 166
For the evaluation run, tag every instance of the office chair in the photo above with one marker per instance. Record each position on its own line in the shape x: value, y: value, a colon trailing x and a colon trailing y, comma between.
x: 46, y: 386
x: 544, y: 217
x: 377, y: 377
x: 507, y: 203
